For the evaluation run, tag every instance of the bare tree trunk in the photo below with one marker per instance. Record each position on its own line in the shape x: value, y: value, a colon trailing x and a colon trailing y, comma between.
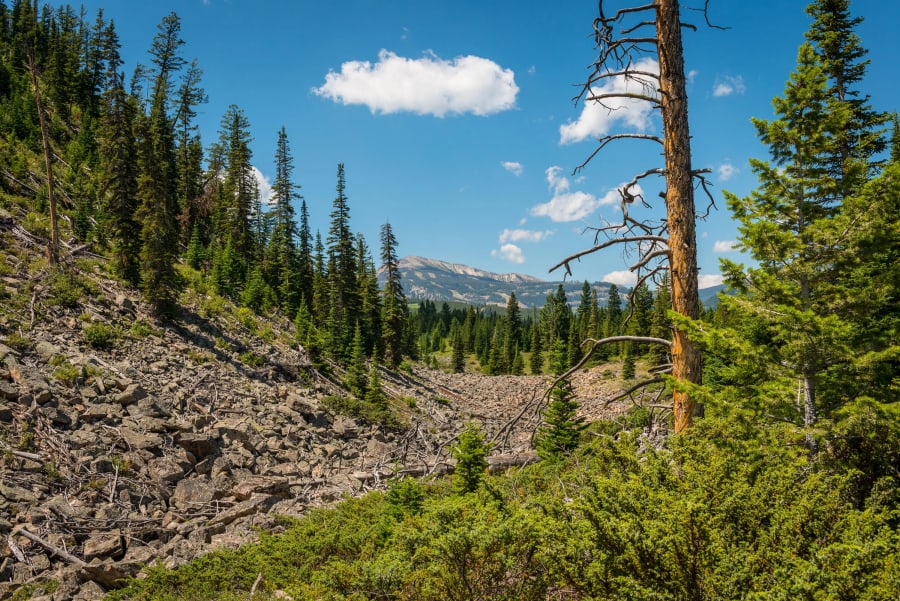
x: 53, y: 248
x: 686, y: 364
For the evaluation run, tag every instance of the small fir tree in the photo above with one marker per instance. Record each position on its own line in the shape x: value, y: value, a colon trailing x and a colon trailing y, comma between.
x: 562, y: 427
x: 470, y: 454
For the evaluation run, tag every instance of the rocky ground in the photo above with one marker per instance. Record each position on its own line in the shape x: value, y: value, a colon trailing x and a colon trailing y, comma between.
x: 173, y: 439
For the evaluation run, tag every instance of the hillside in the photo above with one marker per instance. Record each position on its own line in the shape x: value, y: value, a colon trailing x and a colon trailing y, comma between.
x: 126, y: 439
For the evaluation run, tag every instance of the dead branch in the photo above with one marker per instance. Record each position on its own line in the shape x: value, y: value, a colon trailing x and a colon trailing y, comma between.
x: 631, y: 390
x: 624, y: 240
x: 61, y: 553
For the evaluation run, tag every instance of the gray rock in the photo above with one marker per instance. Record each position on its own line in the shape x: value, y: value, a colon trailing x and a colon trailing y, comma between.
x: 132, y: 394
x: 192, y: 492
x: 103, y: 545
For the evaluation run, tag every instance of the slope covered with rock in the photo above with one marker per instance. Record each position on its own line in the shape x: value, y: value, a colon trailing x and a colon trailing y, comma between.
x: 125, y: 440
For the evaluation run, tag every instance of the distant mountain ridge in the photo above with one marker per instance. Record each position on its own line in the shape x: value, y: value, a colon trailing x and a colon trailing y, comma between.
x: 432, y: 279
x: 436, y: 280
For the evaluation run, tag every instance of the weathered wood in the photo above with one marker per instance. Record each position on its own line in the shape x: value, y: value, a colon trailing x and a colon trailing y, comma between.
x: 680, y: 205
x: 59, y: 552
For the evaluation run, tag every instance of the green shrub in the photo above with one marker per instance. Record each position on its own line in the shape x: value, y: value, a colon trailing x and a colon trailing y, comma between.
x: 140, y: 329
x: 67, y: 373
x: 99, y: 335
x: 18, y: 342
x: 361, y: 409
x: 251, y: 359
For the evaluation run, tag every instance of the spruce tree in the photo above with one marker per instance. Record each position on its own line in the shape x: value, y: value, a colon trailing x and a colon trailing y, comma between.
x: 785, y: 225
x: 536, y: 363
x: 561, y: 429
x: 513, y: 330
x: 661, y: 325
x: 851, y: 157
x: 341, y: 271
x: 458, y: 359
x: 470, y: 453
x: 395, y: 311
x: 375, y: 396
x: 357, y: 379
x: 283, y: 260
x: 157, y: 182
x: 119, y: 200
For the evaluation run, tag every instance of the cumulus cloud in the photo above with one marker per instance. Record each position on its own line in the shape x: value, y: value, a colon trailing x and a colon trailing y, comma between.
x: 513, y: 167
x: 425, y: 86
x: 522, y: 235
x: 567, y: 205
x: 728, y: 85
x: 724, y: 246
x: 708, y: 281
x: 620, y: 278
x: 597, y: 119
x: 264, y: 186
x: 509, y: 252
x: 727, y: 171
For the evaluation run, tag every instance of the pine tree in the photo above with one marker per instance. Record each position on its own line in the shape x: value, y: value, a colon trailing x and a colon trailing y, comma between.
x: 561, y: 429
x: 785, y: 224
x: 238, y: 198
x: 536, y: 364
x: 190, y: 153
x: 661, y: 325
x: 283, y: 261
x: 341, y: 271
x: 356, y: 369
x: 628, y: 362
x: 157, y: 182
x: 395, y: 311
x: 374, y: 394
x: 370, y: 309
x: 119, y: 198
x: 470, y: 454
x: 458, y: 361
x: 850, y: 157
x: 513, y: 330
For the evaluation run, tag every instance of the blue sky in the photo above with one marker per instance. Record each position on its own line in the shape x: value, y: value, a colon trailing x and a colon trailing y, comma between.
x: 455, y: 120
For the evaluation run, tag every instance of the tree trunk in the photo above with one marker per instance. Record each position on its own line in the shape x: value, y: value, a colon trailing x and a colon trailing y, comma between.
x: 53, y: 248
x: 686, y: 363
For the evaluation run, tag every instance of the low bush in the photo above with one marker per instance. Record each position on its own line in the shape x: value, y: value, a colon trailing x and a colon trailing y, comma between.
x: 99, y: 335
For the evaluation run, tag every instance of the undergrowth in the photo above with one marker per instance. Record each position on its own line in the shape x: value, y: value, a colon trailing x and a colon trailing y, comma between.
x: 730, y: 511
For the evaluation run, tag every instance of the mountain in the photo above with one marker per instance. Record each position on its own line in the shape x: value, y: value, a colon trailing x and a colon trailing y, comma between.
x: 439, y: 281
x: 432, y: 279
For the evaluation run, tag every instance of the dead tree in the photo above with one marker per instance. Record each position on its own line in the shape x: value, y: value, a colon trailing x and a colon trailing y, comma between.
x: 668, y: 243
x: 53, y: 246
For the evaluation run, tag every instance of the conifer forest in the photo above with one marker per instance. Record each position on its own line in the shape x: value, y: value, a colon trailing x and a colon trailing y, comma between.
x: 757, y: 454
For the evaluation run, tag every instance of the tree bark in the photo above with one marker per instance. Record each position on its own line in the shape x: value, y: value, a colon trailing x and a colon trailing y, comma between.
x: 53, y: 247
x: 686, y: 363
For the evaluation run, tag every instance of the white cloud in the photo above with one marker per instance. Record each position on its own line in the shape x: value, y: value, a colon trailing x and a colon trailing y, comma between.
x: 521, y: 235
x: 728, y: 85
x: 708, y: 281
x: 426, y: 86
x: 727, y: 171
x: 513, y: 167
x: 724, y: 246
x: 509, y: 252
x: 620, y: 278
x: 571, y: 206
x: 264, y: 186
x: 691, y: 75
x: 597, y: 118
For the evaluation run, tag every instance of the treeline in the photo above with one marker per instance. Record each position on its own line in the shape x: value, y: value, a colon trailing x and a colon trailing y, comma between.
x: 134, y: 180
x: 518, y: 342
